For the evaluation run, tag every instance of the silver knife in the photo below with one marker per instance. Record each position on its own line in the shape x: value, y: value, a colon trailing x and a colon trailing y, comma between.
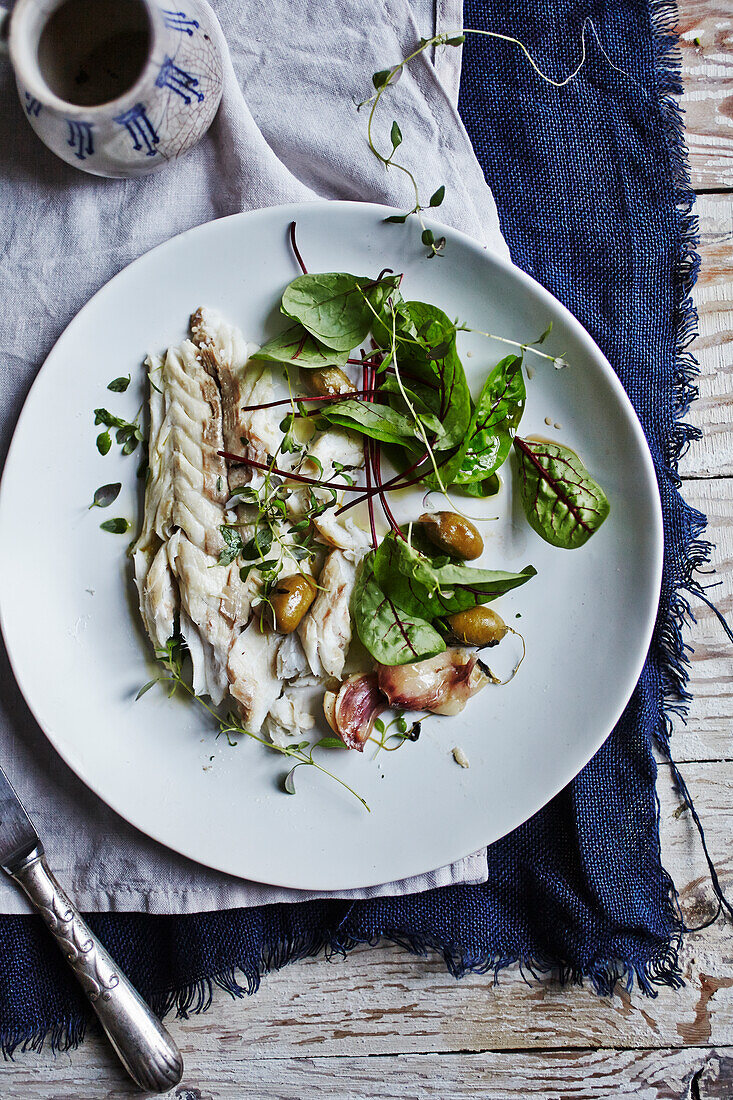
x: 145, y: 1048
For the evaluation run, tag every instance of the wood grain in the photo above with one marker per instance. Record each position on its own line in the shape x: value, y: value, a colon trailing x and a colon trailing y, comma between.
x: 708, y: 733
x: 704, y: 1074
x: 385, y: 1024
x: 706, y: 28
x: 712, y: 456
x: 318, y: 1020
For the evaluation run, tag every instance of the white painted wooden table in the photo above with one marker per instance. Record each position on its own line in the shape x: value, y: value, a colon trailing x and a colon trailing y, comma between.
x: 382, y: 1024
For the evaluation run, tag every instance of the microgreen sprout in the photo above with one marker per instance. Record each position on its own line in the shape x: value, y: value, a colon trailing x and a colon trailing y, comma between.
x: 127, y: 432
x: 172, y: 658
x: 397, y: 731
x: 387, y: 78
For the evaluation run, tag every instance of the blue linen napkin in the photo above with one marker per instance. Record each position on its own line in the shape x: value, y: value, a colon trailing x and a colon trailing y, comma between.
x: 592, y: 191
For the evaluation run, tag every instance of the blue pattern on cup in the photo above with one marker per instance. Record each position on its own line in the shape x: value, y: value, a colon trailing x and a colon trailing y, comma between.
x: 140, y: 129
x: 178, y: 21
x: 80, y: 139
x: 32, y: 106
x: 179, y: 81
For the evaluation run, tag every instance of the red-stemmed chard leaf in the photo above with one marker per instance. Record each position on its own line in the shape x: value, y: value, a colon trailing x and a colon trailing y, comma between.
x: 562, y: 502
x: 296, y: 345
x: 494, y: 422
x: 392, y: 636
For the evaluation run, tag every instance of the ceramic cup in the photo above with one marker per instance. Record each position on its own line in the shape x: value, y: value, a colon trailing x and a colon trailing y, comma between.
x: 116, y: 87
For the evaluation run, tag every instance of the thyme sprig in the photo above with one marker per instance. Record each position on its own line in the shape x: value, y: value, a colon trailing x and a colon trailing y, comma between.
x: 383, y: 80
x: 172, y: 659
x: 398, y: 730
x: 386, y: 78
x: 128, y: 433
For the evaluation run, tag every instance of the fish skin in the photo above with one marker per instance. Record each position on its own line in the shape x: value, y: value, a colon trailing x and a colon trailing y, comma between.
x: 226, y: 356
x: 157, y: 594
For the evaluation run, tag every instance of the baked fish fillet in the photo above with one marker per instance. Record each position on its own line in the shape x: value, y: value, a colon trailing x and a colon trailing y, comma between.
x: 199, y: 474
x: 325, y: 632
x: 157, y: 593
x: 197, y: 400
x: 225, y: 355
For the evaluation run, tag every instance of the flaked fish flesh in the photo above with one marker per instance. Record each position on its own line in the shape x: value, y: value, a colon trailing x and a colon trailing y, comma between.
x: 199, y: 405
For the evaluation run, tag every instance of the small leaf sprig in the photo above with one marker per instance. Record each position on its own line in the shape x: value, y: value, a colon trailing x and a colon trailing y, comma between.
x: 106, y: 495
x: 172, y: 659
x: 386, y: 78
x: 398, y: 730
x: 128, y: 434
x: 382, y: 80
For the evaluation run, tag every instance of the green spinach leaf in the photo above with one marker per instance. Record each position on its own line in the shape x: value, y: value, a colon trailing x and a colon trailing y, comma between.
x: 392, y: 636
x: 488, y: 488
x: 378, y: 421
x: 389, y: 384
x: 296, y: 345
x: 562, y: 502
x: 430, y: 357
x: 335, y: 307
x: 434, y: 588
x: 495, y: 419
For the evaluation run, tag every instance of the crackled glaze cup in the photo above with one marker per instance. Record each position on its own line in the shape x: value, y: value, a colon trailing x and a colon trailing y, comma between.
x: 116, y: 87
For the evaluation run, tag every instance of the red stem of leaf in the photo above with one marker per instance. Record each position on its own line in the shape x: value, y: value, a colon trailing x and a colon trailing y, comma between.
x: 377, y: 462
x: 395, y: 482
x: 288, y: 474
x: 296, y: 250
x: 295, y: 400
x: 368, y: 461
x: 376, y: 457
x: 364, y: 358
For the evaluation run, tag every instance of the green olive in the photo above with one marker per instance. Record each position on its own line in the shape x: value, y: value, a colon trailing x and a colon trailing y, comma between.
x: 290, y: 599
x: 478, y: 626
x: 328, y: 381
x: 453, y: 534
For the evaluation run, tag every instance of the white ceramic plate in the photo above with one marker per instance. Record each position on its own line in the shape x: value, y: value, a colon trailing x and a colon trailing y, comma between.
x: 67, y: 601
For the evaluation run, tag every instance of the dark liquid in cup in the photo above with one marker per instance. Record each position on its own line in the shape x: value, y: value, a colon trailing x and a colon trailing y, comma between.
x: 93, y: 51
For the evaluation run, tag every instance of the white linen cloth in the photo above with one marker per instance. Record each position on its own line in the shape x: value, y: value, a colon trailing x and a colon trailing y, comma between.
x: 287, y: 130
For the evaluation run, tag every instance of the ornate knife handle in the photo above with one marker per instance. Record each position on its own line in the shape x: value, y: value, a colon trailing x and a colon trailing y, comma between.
x: 145, y: 1048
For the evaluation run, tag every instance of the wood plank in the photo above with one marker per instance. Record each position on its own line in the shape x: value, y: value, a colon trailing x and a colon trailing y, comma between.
x: 310, y: 1029
x: 708, y: 733
x: 323, y: 1018
x: 707, y: 65
x: 713, y: 412
x: 702, y: 1074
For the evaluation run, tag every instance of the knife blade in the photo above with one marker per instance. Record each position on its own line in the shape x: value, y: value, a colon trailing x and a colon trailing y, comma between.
x: 143, y: 1045
x: 18, y: 838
